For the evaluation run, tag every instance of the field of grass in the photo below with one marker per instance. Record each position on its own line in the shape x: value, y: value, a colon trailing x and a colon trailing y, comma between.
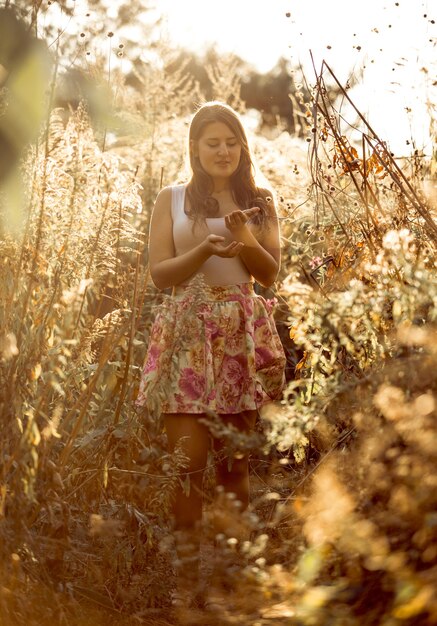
x: 342, y: 529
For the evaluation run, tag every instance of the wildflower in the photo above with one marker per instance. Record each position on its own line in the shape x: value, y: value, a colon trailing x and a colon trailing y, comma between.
x: 397, y: 239
x: 294, y: 288
x: 315, y: 262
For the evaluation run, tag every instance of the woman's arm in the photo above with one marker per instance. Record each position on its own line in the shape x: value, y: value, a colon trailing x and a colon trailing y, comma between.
x: 168, y: 270
x: 261, y: 253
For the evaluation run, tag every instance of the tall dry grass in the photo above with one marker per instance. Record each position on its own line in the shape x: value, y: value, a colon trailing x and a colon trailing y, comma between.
x: 341, y: 529
x: 360, y: 416
x: 85, y: 480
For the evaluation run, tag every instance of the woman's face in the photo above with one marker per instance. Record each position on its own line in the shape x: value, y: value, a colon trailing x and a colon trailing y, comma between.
x: 218, y: 150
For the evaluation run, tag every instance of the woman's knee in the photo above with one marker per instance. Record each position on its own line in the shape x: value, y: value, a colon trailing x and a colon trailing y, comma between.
x: 195, y: 464
x: 187, y: 434
x: 233, y: 468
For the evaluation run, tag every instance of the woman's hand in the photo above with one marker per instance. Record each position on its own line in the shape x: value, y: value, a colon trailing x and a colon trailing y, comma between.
x: 236, y: 221
x: 213, y: 245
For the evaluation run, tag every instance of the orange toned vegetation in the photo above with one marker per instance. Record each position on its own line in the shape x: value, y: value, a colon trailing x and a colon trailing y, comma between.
x: 342, y: 527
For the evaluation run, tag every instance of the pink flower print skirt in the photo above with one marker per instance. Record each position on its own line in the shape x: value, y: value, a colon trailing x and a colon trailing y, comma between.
x: 212, y: 348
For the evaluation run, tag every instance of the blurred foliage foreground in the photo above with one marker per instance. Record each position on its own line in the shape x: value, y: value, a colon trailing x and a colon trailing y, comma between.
x: 342, y: 529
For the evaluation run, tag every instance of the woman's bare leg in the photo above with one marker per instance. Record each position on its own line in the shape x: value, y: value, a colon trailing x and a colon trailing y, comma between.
x: 195, y: 444
x: 233, y: 474
x: 193, y: 436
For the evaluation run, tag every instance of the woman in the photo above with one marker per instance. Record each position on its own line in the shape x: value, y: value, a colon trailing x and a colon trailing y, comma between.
x: 214, y: 345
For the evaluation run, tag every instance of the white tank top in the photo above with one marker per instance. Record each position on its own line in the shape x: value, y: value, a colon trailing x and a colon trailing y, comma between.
x: 216, y: 270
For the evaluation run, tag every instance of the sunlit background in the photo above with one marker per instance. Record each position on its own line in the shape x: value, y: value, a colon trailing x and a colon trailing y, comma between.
x: 389, y: 46
x: 95, y: 102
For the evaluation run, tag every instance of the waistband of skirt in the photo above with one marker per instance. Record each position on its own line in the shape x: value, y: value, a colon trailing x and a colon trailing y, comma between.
x: 214, y: 292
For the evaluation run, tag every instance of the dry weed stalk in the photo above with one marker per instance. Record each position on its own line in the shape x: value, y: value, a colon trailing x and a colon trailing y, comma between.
x: 368, y: 193
x: 364, y: 403
x: 67, y: 368
x: 226, y: 81
x: 86, y: 485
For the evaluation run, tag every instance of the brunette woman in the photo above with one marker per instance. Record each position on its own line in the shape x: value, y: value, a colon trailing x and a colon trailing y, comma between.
x: 213, y: 345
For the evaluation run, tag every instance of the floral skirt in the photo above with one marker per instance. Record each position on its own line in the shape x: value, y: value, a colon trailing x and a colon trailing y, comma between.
x: 214, y: 348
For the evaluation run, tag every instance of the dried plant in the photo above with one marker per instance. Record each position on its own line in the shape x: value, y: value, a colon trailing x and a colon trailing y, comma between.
x: 341, y: 528
x: 225, y: 79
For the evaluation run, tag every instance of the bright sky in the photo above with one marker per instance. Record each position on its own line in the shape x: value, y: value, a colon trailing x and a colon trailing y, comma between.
x: 390, y: 45
x: 390, y: 39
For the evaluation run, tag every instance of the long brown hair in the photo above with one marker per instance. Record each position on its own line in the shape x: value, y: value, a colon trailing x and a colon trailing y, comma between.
x: 244, y: 189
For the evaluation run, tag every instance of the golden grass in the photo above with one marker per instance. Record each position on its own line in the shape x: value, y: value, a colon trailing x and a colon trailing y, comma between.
x: 342, y: 525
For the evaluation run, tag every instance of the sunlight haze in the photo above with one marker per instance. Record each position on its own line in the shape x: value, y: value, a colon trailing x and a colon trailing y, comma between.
x: 389, y: 46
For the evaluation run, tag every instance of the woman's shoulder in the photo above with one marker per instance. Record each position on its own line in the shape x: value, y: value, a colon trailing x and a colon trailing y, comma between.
x: 168, y: 190
x: 169, y: 196
x: 166, y: 193
x: 163, y: 201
